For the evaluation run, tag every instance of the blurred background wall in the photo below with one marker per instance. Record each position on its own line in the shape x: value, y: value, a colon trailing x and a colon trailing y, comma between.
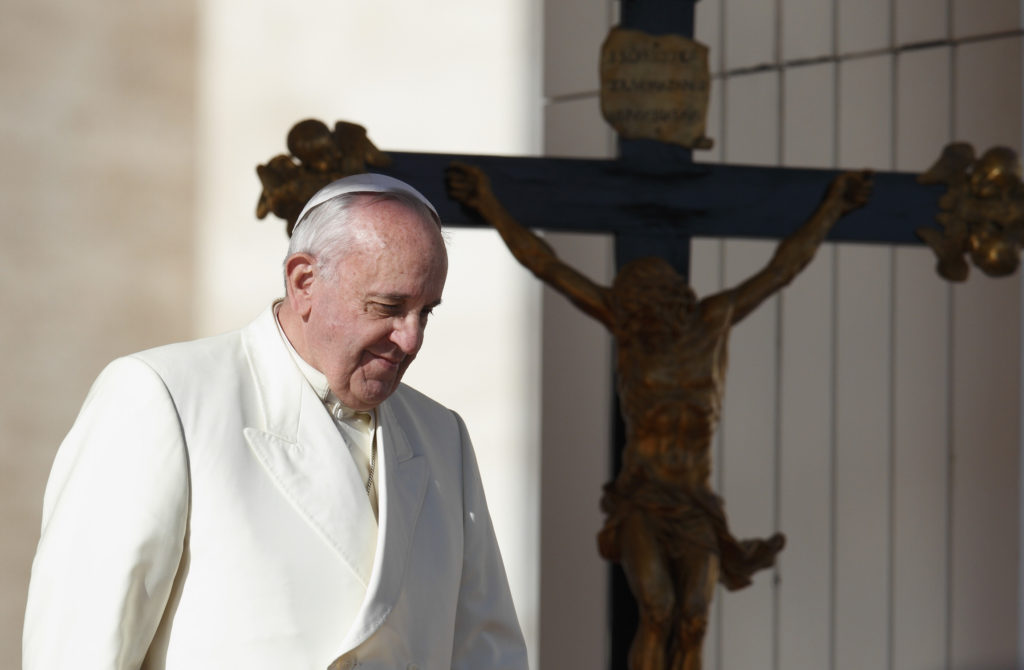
x: 98, y: 247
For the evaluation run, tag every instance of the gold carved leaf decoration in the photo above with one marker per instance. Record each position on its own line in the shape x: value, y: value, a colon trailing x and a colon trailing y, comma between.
x: 981, y: 214
x: 317, y: 156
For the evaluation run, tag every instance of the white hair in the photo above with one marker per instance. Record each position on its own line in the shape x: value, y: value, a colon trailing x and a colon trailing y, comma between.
x: 325, y: 231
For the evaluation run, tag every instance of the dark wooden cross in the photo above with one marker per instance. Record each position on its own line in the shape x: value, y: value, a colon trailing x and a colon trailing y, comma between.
x: 654, y: 199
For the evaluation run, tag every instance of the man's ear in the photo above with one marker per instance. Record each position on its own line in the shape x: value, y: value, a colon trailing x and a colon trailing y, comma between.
x: 299, y: 275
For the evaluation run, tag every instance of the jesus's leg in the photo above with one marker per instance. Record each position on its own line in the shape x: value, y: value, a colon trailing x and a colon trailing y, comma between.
x: 646, y: 568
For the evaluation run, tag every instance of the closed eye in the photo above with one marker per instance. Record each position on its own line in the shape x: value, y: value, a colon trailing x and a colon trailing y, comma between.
x: 386, y: 309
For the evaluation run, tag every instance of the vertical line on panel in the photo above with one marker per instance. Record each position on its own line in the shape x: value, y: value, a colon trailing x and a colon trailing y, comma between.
x: 777, y: 47
x: 950, y: 460
x: 781, y: 70
x: 777, y: 408
x: 836, y: 83
x: 776, y: 605
x: 1020, y: 507
x: 952, y: 71
x: 833, y: 458
x: 949, y: 20
x: 780, y: 88
x: 894, y: 106
x: 892, y: 25
x: 777, y: 483
x: 950, y: 361
x: 891, y: 567
x: 893, y: 262
x: 723, y: 129
x: 780, y: 148
x: 835, y: 29
x: 833, y: 361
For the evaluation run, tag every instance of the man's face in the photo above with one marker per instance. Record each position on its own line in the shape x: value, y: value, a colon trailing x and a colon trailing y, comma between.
x: 365, y: 324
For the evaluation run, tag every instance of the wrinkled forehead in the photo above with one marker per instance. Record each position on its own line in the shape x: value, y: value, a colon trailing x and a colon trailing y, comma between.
x: 384, y: 225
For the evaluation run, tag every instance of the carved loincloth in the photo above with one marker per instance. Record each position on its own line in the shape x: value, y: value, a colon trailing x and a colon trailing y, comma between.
x: 683, y: 519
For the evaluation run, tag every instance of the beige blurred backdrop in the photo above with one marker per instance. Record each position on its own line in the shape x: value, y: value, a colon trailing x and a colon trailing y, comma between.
x: 130, y: 135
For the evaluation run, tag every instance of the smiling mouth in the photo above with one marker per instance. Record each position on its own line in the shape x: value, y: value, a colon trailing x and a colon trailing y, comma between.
x: 386, y: 360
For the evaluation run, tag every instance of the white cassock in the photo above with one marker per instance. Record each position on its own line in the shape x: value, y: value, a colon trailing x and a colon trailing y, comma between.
x: 203, y: 513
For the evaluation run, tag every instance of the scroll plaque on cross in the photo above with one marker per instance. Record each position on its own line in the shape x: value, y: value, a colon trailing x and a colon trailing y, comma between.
x: 655, y: 87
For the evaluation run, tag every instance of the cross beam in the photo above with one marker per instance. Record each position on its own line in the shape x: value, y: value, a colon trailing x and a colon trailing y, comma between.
x: 700, y: 200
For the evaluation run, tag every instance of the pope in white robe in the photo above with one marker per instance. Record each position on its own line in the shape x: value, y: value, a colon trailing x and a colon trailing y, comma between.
x: 274, y: 497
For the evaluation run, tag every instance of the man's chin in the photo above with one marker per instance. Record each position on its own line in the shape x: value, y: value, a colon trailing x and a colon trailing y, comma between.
x: 373, y: 392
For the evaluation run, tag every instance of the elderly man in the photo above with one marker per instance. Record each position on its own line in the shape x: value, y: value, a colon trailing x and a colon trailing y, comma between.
x: 275, y: 497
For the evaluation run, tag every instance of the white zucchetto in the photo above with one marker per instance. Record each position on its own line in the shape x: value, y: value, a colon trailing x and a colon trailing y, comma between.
x: 364, y: 183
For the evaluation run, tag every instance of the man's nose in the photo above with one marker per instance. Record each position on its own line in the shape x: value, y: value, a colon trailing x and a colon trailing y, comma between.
x: 408, y: 334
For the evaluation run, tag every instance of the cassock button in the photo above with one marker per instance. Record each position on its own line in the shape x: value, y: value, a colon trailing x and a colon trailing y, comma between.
x: 345, y: 662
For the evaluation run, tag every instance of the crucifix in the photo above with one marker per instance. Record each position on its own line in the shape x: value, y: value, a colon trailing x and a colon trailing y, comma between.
x: 654, y: 199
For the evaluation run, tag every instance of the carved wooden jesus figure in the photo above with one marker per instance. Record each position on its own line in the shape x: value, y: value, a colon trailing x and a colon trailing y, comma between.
x: 664, y: 524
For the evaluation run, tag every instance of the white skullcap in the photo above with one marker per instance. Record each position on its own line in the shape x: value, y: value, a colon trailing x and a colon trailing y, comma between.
x: 364, y: 183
